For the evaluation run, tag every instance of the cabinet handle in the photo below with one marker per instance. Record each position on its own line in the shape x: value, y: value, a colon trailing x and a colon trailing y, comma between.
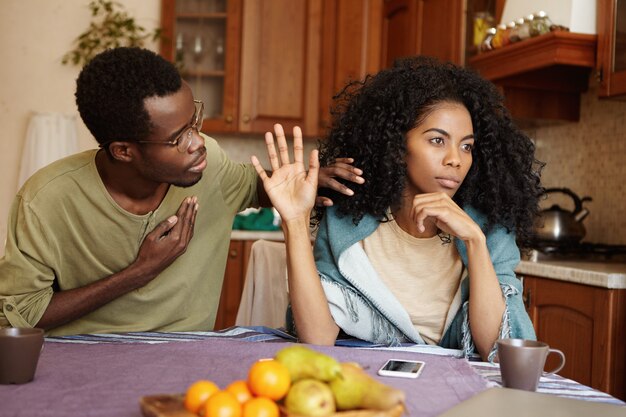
x: 229, y: 119
x: 246, y: 118
x: 233, y: 254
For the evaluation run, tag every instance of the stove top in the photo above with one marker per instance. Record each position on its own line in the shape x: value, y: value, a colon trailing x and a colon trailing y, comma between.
x: 581, y: 251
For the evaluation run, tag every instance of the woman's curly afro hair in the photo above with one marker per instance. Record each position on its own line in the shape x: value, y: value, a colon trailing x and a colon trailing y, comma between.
x: 112, y: 87
x: 372, y: 117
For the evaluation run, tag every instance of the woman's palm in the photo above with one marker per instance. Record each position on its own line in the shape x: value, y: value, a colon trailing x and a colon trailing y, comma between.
x: 290, y: 188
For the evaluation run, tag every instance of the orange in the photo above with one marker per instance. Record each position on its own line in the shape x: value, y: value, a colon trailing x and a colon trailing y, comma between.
x: 240, y: 390
x: 198, y: 393
x: 222, y: 404
x: 260, y: 407
x: 269, y: 378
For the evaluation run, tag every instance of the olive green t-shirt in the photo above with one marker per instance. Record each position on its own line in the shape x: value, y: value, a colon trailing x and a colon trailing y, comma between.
x: 66, y: 231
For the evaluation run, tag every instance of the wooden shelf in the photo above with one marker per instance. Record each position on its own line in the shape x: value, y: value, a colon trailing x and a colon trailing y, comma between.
x: 554, y: 48
x: 541, y: 78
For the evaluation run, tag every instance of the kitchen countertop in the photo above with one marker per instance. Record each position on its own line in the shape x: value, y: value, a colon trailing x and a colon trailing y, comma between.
x: 610, y: 275
x: 257, y: 234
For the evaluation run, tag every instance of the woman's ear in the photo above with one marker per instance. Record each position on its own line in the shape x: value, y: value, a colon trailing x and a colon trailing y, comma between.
x: 122, y: 151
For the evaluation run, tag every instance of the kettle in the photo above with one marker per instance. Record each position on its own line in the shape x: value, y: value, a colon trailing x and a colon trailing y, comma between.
x: 558, y: 226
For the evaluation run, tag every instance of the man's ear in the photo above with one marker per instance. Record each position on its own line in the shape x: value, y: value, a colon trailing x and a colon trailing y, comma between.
x: 122, y: 151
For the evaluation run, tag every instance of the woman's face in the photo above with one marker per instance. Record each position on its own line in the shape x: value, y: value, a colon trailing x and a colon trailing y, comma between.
x: 439, y: 150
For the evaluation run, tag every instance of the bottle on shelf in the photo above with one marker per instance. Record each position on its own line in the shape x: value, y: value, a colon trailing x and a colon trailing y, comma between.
x: 500, y: 38
x: 486, y: 44
x: 512, y: 35
x: 482, y: 22
x: 540, y: 24
x: 523, y: 27
x: 179, y: 56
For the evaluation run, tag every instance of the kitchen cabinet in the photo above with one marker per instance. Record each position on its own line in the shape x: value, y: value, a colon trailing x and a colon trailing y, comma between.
x: 203, y: 39
x: 351, y: 47
x: 234, y: 277
x: 588, y: 324
x: 281, y: 47
x: 541, y: 78
x: 423, y: 27
x: 361, y: 37
x: 253, y: 62
x: 611, y: 26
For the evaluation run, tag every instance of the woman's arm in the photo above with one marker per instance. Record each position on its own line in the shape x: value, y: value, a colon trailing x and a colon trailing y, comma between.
x: 308, y: 302
x: 292, y: 192
x: 486, y: 302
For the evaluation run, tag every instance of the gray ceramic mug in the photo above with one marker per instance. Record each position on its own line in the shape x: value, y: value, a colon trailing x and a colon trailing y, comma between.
x: 522, y: 362
x: 19, y: 354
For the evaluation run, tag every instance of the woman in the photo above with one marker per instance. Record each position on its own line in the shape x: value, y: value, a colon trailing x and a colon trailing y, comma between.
x: 425, y: 250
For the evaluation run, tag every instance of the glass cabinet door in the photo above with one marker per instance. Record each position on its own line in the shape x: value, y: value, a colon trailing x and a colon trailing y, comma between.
x: 202, y: 38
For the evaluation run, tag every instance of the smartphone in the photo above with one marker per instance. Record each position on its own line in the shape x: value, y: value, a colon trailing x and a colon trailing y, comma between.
x: 401, y: 368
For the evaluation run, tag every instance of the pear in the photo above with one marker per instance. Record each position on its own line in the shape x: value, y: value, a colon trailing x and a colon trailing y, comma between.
x: 310, y: 398
x: 303, y: 362
x: 357, y: 389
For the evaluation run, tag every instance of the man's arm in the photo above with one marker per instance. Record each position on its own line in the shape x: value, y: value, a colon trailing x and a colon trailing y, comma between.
x: 160, y: 248
x: 341, y: 168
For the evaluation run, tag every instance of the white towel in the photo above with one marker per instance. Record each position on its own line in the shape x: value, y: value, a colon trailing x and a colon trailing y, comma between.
x: 265, y: 293
x: 50, y: 136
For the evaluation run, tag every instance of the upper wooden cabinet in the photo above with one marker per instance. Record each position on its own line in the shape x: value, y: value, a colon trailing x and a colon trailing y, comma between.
x: 541, y: 78
x: 280, y: 70
x: 611, y: 25
x: 361, y: 37
x: 423, y: 27
x: 203, y: 39
x: 351, y: 47
x: 253, y: 62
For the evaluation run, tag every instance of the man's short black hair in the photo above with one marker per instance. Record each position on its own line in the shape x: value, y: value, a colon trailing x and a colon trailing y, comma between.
x: 111, y: 89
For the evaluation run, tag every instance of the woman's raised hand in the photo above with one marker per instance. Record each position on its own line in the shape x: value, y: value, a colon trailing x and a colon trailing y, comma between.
x: 290, y: 188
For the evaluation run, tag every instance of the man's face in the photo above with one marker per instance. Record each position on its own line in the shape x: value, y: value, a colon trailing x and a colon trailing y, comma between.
x: 170, y: 116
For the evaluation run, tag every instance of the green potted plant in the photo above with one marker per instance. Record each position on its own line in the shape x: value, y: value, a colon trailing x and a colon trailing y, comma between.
x: 111, y: 27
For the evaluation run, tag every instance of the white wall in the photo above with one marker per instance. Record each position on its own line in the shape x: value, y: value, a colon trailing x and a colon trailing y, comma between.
x: 34, y: 35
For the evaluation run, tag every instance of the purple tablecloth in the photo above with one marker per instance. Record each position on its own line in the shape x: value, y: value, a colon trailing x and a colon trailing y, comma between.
x: 108, y: 379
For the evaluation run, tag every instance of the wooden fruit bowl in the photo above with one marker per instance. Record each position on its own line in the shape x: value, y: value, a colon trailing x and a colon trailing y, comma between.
x: 171, y: 405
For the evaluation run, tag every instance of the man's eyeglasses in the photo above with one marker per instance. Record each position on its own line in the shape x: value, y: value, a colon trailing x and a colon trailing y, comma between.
x: 183, y: 140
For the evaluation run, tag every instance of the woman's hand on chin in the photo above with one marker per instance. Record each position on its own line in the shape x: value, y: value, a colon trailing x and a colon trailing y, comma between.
x: 446, y: 215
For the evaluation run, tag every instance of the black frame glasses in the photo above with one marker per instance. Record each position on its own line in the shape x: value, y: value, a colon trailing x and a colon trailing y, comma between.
x: 184, y: 139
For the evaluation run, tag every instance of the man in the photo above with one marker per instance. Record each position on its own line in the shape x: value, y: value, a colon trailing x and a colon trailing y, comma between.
x: 101, y: 241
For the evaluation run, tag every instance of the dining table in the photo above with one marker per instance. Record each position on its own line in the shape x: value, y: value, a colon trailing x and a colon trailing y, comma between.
x: 107, y: 374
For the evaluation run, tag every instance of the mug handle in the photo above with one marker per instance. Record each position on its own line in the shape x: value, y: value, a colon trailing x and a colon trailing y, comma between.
x: 560, y: 366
